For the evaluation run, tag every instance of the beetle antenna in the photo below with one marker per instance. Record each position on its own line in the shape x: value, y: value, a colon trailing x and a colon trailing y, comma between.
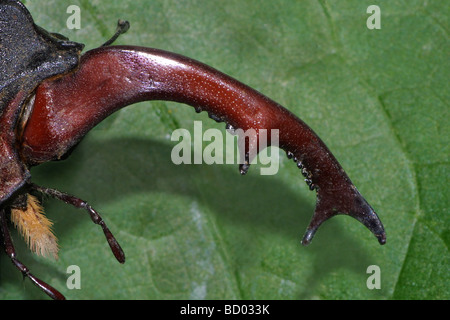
x: 122, y: 27
x: 11, y: 252
x: 96, y: 218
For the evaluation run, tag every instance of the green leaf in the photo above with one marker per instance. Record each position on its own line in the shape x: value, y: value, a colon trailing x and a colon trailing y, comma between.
x: 378, y: 98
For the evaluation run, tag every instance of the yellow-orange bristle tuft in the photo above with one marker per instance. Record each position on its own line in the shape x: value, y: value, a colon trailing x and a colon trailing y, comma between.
x: 36, y: 228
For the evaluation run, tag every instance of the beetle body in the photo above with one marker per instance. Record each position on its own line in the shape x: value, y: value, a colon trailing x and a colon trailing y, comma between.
x: 50, y: 98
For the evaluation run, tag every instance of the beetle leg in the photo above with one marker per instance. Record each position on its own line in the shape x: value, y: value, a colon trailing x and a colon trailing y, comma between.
x: 11, y: 252
x: 96, y: 218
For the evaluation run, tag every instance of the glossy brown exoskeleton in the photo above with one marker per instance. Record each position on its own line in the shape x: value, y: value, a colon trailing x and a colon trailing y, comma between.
x: 51, y: 96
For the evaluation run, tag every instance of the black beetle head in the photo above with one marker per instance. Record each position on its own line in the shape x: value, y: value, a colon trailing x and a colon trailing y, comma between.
x: 28, y: 56
x: 29, y: 53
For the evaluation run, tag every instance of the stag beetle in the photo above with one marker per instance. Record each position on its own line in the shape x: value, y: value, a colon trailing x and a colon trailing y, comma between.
x: 51, y: 96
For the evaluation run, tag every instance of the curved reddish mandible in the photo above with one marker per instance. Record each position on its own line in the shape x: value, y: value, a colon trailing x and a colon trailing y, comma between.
x: 110, y: 78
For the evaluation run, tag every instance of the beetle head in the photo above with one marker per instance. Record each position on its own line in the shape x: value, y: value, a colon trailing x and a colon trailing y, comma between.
x: 28, y: 56
x: 29, y: 53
